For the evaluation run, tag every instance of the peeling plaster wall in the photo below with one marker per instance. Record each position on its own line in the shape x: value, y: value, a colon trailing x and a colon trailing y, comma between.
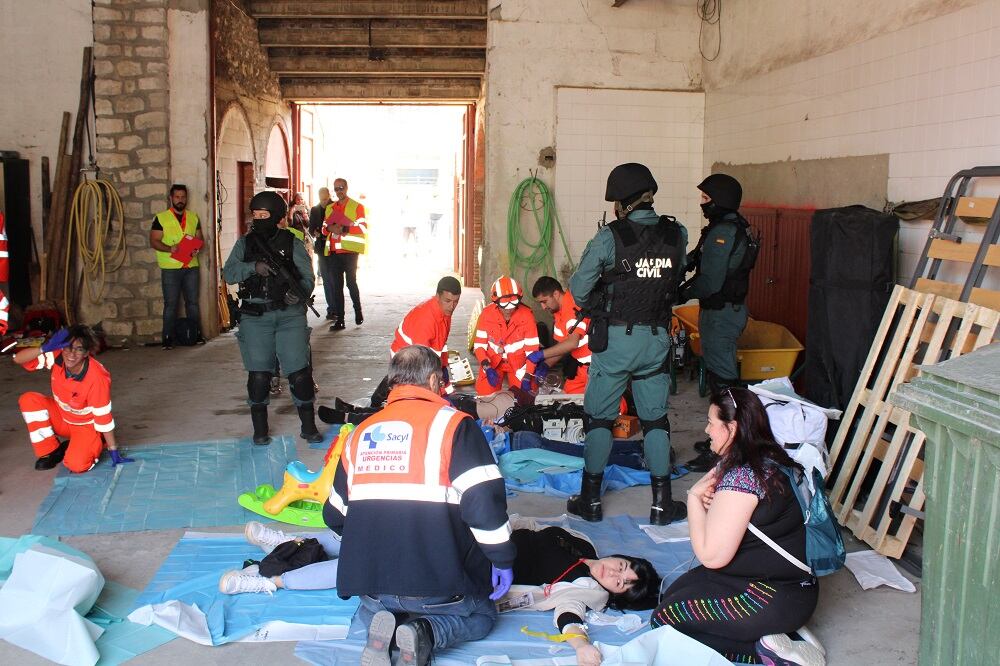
x: 32, y: 105
x: 759, y: 36
x: 243, y: 77
x: 534, y: 47
x: 190, y: 116
x: 928, y: 96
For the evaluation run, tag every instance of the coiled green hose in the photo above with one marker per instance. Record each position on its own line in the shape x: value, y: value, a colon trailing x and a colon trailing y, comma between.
x: 533, y: 195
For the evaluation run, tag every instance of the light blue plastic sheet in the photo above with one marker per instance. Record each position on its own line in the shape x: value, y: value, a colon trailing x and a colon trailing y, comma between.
x: 615, y: 534
x: 122, y: 640
x: 564, y: 484
x: 190, y: 576
x: 168, y: 486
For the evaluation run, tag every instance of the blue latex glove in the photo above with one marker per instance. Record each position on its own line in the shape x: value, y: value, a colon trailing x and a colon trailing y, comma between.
x: 526, y: 385
x: 118, y: 459
x: 536, y: 356
x: 493, y: 377
x: 59, y: 340
x: 541, y: 370
x: 502, y: 579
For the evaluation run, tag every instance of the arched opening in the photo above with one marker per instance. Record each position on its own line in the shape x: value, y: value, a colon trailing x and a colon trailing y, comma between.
x: 235, y: 163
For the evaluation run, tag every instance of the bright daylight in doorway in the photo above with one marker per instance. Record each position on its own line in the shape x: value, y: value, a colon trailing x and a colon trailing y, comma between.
x: 403, y: 163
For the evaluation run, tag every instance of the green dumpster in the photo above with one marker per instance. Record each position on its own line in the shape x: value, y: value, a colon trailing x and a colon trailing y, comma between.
x: 957, y: 406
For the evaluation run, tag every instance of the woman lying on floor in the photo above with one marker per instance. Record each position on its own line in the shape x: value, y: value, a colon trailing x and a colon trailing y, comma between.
x: 556, y: 569
x: 745, y: 597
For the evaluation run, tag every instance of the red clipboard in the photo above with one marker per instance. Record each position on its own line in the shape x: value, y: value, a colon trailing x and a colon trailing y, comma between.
x: 186, y: 249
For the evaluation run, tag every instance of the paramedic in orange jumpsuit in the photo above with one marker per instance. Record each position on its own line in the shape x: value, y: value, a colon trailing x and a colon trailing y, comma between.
x: 428, y: 324
x: 569, y: 330
x: 79, y: 408
x: 505, y: 334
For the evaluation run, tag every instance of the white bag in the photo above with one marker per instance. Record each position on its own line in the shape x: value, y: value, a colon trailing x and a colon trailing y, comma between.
x: 43, y: 602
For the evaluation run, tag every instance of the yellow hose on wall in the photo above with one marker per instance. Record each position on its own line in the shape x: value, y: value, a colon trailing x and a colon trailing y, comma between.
x: 96, y: 206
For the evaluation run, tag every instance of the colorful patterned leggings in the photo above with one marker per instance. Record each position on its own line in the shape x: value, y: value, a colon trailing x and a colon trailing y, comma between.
x: 730, y: 613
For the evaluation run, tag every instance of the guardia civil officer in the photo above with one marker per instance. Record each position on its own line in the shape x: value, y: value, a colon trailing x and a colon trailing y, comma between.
x: 722, y: 261
x: 275, y: 278
x: 627, y: 281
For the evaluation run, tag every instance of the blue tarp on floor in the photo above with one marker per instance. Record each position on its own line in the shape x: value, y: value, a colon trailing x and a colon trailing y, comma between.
x: 168, y: 486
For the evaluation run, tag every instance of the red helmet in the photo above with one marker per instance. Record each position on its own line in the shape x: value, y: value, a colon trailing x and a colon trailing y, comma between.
x: 506, y: 293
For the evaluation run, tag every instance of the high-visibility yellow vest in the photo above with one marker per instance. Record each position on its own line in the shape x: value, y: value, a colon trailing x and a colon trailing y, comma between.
x: 173, y: 233
x: 356, y: 238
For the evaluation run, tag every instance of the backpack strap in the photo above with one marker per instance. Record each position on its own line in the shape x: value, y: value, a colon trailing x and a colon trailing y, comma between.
x: 778, y: 549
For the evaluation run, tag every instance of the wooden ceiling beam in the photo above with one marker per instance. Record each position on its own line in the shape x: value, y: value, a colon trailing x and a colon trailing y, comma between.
x: 384, y: 89
x: 389, y: 33
x: 344, y: 9
x: 341, y: 62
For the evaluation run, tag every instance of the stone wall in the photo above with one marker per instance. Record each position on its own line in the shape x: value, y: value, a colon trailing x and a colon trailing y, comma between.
x: 244, y: 78
x: 133, y: 152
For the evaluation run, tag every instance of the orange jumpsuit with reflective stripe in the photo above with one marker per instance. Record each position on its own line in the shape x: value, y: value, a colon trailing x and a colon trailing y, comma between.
x: 79, y: 409
x: 506, y: 345
x: 427, y: 325
x: 565, y: 323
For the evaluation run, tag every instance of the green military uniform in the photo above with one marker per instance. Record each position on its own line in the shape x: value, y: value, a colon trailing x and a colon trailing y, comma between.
x: 280, y: 332
x: 721, y: 321
x: 637, y: 357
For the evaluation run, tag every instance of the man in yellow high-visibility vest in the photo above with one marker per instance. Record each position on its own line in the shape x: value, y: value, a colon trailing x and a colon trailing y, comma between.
x: 178, y: 276
x: 345, y: 229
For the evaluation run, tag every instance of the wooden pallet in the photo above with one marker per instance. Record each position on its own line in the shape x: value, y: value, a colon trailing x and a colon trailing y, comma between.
x: 876, y: 450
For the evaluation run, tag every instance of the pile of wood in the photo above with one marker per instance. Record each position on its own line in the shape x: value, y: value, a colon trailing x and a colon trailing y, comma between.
x: 56, y: 250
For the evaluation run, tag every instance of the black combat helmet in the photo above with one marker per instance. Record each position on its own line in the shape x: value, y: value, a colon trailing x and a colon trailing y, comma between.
x: 626, y: 181
x: 725, y: 191
x: 271, y: 202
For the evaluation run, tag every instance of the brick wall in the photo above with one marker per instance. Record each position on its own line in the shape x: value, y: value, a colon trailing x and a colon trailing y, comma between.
x: 133, y: 152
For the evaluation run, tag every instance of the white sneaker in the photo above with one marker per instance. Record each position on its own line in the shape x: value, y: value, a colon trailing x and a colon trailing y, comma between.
x: 781, y: 650
x: 239, y: 581
x: 263, y: 536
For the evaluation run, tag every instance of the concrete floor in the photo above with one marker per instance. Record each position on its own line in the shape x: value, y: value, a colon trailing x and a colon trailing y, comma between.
x: 198, y: 393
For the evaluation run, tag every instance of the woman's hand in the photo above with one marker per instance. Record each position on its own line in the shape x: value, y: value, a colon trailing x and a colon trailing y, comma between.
x: 704, y: 489
x: 588, y: 655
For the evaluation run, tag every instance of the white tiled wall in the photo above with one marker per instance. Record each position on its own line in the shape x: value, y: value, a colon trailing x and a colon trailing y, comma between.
x: 598, y: 129
x: 928, y: 95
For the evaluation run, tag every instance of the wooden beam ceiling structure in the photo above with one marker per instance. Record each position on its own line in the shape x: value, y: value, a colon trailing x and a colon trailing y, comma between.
x: 430, y: 51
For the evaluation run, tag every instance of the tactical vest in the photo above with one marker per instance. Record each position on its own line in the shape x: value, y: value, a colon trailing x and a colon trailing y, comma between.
x: 271, y: 288
x: 649, y: 264
x: 737, y: 284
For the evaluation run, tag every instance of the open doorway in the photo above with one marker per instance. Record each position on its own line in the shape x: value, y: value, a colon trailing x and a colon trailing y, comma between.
x: 407, y: 164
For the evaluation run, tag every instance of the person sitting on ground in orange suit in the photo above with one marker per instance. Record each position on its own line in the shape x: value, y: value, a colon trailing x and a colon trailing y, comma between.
x: 79, y: 408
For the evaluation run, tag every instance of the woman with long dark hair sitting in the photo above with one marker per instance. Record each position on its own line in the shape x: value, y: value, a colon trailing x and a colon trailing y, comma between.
x: 558, y: 569
x: 745, y: 597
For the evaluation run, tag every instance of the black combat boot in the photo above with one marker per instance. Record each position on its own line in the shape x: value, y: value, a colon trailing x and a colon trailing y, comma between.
x: 359, y: 317
x: 258, y: 414
x: 664, y: 509
x: 309, y: 431
x: 587, y: 504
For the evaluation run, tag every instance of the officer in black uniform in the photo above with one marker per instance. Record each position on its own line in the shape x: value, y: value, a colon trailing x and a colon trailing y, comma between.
x: 722, y: 261
x: 267, y: 263
x: 627, y: 282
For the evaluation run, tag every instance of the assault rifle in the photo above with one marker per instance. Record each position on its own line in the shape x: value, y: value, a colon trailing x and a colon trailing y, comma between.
x: 277, y: 267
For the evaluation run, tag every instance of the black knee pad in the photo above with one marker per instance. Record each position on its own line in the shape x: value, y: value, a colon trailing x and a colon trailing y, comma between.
x: 301, y: 384
x: 258, y: 385
x: 590, y: 423
x: 662, y: 423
